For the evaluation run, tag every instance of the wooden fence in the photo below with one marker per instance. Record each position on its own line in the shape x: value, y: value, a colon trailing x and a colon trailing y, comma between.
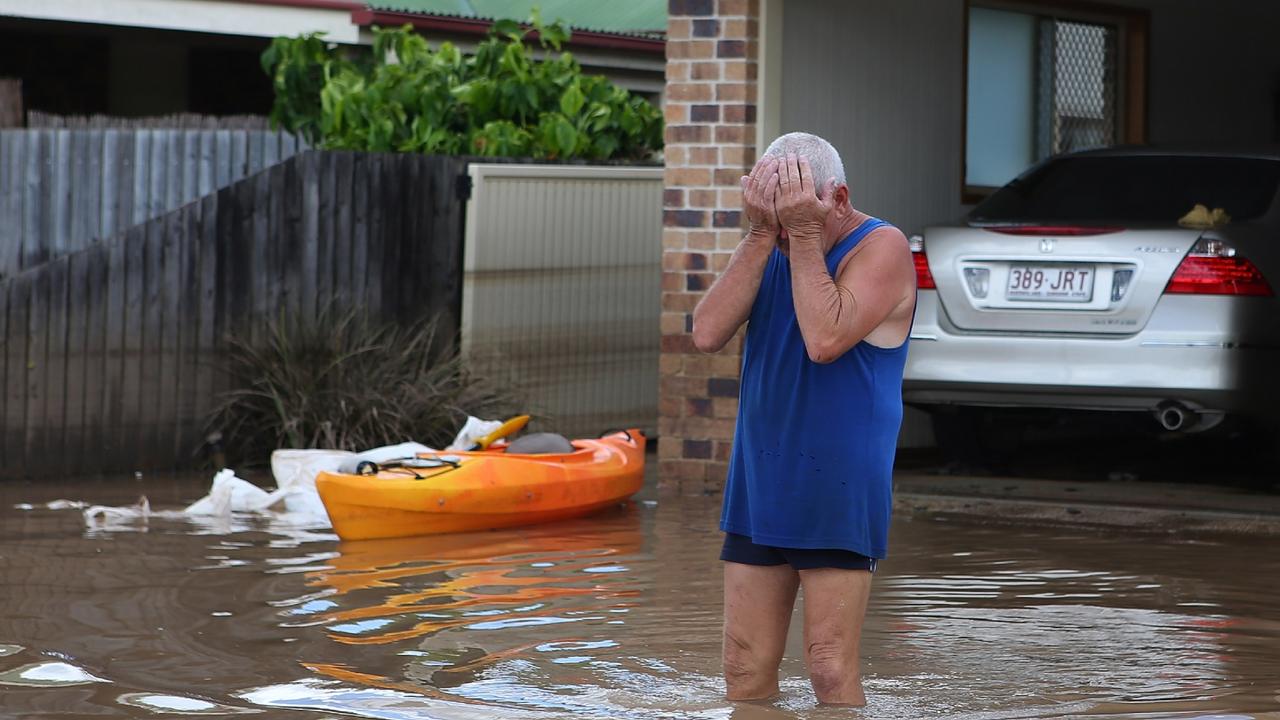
x: 62, y: 190
x: 111, y: 354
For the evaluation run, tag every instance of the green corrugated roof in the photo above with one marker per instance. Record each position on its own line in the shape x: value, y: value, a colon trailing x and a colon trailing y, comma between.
x: 632, y: 17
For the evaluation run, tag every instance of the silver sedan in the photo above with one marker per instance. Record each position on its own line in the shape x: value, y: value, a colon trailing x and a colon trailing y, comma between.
x: 1126, y: 279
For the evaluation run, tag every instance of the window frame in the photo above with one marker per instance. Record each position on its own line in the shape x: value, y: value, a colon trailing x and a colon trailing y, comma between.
x: 1133, y: 25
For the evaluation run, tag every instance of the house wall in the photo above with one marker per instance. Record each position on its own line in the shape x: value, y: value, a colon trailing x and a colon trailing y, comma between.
x: 881, y: 81
x: 884, y: 83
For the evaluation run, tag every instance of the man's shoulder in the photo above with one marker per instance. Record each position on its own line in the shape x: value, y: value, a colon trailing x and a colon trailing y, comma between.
x: 887, y: 232
x: 884, y: 243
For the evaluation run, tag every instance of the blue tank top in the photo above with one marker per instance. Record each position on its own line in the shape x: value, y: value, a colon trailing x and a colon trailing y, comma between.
x: 813, y: 448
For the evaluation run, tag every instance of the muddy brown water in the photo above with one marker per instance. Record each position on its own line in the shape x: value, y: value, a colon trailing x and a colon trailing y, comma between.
x: 613, y: 616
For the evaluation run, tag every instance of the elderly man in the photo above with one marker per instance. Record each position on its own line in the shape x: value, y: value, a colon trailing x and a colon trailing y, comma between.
x: 828, y: 295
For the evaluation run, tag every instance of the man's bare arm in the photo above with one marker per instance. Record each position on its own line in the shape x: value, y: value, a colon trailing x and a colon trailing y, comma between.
x: 728, y: 302
x: 834, y: 314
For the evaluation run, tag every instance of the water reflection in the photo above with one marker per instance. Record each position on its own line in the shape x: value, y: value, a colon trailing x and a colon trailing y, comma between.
x: 48, y: 674
x: 386, y: 591
x: 370, y: 699
x: 542, y: 619
x: 180, y: 705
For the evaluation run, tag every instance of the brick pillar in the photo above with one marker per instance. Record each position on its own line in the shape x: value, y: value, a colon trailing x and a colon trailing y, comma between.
x: 710, y: 110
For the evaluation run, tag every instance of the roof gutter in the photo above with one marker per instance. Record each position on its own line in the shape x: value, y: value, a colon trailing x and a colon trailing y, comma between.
x: 472, y: 26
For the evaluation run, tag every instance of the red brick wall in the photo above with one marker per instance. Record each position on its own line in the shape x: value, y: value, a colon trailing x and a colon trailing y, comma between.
x: 712, y: 47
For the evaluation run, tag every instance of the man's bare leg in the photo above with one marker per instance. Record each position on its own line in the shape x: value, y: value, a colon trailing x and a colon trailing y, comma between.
x: 758, y: 600
x: 835, y: 604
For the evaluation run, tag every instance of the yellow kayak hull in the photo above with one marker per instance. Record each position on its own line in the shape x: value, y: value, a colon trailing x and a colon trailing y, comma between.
x: 484, y: 490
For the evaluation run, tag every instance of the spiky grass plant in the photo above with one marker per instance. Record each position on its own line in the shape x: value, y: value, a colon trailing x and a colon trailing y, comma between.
x: 343, y: 382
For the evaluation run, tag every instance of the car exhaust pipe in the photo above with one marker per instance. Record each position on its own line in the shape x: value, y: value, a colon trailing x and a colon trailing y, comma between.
x: 1174, y: 416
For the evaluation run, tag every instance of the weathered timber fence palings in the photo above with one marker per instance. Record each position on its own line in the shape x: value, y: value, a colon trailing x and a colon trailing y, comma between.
x: 111, y: 356
x: 61, y: 190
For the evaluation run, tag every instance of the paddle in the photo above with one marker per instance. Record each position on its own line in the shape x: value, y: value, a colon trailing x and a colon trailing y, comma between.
x: 514, y: 425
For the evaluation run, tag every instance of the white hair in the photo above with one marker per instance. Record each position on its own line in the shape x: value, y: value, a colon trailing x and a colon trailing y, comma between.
x: 822, y: 157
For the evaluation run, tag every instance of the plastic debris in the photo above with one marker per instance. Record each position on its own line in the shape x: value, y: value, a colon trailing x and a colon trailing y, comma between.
x: 294, y: 501
x: 229, y: 493
x: 295, y: 475
x: 472, y: 430
x: 54, y: 505
x: 140, y: 510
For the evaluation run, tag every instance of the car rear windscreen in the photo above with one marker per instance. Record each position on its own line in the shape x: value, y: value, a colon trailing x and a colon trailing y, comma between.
x: 1133, y: 189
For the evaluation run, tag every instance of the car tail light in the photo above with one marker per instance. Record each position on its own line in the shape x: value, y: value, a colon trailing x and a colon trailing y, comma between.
x: 1213, y: 268
x: 924, y: 278
x: 1060, y: 230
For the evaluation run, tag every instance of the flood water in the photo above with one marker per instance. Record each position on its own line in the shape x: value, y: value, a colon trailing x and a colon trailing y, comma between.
x: 613, y: 616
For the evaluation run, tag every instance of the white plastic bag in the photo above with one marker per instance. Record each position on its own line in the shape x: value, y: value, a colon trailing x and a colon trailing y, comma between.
x: 110, y: 515
x: 295, y: 473
x: 229, y: 494
x: 471, y: 431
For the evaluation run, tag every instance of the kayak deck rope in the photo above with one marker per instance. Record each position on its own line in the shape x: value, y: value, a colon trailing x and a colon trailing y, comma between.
x: 406, y: 465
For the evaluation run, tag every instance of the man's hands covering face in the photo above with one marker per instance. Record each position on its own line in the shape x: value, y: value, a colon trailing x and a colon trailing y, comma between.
x: 800, y: 211
x: 758, y: 190
x: 780, y: 194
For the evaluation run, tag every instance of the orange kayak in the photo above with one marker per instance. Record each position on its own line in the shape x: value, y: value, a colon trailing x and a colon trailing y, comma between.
x: 449, y: 492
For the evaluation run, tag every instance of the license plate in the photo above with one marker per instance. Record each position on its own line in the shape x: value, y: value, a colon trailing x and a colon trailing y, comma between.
x: 1051, y: 283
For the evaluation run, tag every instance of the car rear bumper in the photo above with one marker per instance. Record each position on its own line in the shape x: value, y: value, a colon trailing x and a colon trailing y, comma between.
x: 1205, y: 370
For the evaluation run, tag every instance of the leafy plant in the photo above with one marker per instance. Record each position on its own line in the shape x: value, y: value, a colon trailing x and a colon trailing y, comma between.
x: 499, y: 101
x: 344, y: 383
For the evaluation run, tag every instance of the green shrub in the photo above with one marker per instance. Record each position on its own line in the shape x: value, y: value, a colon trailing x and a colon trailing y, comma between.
x: 500, y: 101
x: 344, y: 383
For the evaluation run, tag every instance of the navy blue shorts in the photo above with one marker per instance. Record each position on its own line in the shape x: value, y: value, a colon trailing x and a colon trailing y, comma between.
x: 740, y: 549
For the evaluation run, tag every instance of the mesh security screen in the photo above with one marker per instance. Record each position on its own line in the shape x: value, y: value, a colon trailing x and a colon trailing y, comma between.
x: 1077, y: 94
x: 1038, y: 85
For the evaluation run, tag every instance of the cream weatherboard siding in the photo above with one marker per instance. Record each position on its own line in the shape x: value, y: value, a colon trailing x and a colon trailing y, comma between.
x: 890, y: 101
x: 560, y: 290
